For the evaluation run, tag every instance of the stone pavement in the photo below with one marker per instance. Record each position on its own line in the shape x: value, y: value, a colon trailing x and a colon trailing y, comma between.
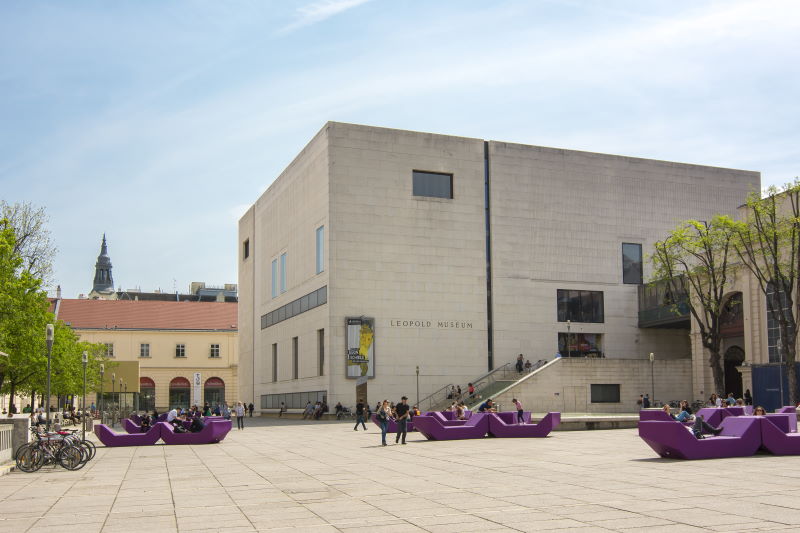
x: 324, y: 477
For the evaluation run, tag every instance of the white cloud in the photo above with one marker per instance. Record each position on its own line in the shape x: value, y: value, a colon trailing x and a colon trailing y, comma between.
x: 319, y: 11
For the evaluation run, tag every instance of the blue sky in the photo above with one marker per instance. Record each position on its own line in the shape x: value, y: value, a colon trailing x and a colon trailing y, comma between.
x: 159, y: 122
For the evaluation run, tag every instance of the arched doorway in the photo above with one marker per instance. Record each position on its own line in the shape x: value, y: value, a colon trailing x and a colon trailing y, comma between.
x: 732, y: 332
x: 147, y: 394
x: 214, y: 392
x: 179, y: 393
x: 734, y: 356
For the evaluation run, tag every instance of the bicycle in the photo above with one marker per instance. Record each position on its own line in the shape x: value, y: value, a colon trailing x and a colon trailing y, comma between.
x: 62, y: 448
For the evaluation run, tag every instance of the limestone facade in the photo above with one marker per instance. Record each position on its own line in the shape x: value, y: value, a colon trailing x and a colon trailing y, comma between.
x: 417, y: 265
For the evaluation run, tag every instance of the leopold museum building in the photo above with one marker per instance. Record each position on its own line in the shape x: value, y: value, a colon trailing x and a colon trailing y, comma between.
x: 378, y: 252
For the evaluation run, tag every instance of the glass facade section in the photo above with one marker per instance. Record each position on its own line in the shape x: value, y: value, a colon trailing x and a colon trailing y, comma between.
x: 295, y: 307
x: 274, y: 278
x: 320, y: 249
x: 293, y: 400
x: 283, y: 272
x: 631, y: 263
x: 580, y: 306
x: 571, y: 344
x: 432, y: 184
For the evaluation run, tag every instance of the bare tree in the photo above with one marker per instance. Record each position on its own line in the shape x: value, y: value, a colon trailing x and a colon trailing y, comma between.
x: 33, y: 243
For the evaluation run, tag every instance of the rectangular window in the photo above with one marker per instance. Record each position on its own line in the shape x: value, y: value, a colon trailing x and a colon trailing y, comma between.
x: 109, y: 349
x: 432, y: 184
x: 580, y: 306
x: 274, y: 278
x: 321, y: 351
x: 631, y: 263
x: 246, y: 249
x: 320, y: 248
x: 144, y: 350
x: 571, y: 344
x: 214, y: 351
x: 180, y: 350
x: 605, y: 393
x: 283, y: 272
x: 275, y: 362
x: 295, y: 359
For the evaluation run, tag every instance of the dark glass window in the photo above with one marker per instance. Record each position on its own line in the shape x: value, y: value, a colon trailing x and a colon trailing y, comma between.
x: 434, y: 184
x: 579, y: 306
x: 246, y: 249
x: 571, y: 344
x: 779, y: 301
x: 631, y: 263
x: 605, y: 393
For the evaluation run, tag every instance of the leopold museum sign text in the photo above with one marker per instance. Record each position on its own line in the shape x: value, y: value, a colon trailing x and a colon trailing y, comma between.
x: 440, y: 324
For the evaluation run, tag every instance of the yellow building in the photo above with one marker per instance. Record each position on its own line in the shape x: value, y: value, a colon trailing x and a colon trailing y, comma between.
x: 187, y: 351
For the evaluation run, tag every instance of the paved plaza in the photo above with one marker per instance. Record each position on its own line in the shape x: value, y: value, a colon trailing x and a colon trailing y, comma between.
x: 280, y: 475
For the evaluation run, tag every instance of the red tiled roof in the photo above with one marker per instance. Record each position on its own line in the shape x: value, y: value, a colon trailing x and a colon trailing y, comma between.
x: 126, y: 314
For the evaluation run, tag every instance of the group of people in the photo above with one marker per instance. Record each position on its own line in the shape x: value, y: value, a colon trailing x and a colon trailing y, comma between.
x: 312, y: 411
x: 525, y: 365
x: 729, y: 401
x: 685, y: 414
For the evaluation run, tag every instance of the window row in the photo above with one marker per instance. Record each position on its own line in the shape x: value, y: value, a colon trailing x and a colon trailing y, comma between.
x: 295, y: 307
x: 293, y: 400
x: 180, y: 350
x: 279, y: 263
x: 296, y: 357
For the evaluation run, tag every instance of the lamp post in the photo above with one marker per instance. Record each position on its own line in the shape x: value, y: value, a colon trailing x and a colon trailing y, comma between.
x: 569, y: 338
x: 113, y: 384
x: 49, y: 339
x: 417, y: 386
x: 652, y: 378
x: 126, y: 398
x: 85, y: 361
x: 100, y: 402
x: 119, y: 396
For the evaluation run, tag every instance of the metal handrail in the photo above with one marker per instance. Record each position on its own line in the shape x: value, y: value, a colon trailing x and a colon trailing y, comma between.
x: 429, y: 402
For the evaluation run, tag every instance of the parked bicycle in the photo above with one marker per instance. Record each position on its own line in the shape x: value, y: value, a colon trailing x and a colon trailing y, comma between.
x: 64, y: 448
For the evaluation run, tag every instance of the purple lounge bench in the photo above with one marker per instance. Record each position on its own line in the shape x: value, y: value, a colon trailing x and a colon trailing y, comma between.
x: 215, y: 431
x: 433, y: 428
x: 108, y: 437
x: 499, y: 425
x: 713, y: 415
x: 777, y: 441
x: 740, y: 437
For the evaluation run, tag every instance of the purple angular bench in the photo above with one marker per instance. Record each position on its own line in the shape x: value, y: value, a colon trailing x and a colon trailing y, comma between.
x: 740, y: 437
x: 713, y: 415
x: 433, y: 428
x: 392, y: 428
x: 215, y: 431
x: 777, y: 441
x: 108, y: 437
x: 506, y: 426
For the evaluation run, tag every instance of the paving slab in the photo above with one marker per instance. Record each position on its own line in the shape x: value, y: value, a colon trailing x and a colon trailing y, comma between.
x: 322, y: 477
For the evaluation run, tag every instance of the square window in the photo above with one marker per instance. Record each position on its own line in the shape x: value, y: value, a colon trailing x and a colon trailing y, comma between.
x: 180, y: 350
x: 432, y: 184
x: 214, y: 351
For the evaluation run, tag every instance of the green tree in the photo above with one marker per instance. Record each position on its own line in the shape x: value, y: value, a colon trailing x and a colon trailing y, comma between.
x: 695, y: 260
x: 768, y: 245
x: 32, y: 243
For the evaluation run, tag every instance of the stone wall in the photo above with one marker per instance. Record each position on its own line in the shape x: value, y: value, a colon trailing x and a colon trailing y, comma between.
x: 565, y: 385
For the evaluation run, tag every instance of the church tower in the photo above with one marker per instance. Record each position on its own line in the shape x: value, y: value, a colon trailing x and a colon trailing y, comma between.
x: 103, y: 287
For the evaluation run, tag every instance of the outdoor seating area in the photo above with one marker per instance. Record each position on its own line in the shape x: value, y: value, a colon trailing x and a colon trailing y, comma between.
x: 438, y: 426
x: 214, y: 431
x: 741, y: 434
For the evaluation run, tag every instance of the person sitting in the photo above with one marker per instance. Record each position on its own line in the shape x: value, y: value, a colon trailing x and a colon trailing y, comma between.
x: 739, y: 402
x: 487, y: 407
x: 145, y: 423
x: 701, y: 425
x: 730, y: 400
x: 338, y: 408
x: 528, y: 365
x: 759, y: 411
x: 197, y: 425
x: 683, y: 416
x: 460, y: 409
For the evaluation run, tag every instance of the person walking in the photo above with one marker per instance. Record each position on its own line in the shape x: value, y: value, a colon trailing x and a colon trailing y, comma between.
x: 360, y: 415
x: 402, y: 412
x: 250, y: 408
x: 281, y: 410
x: 382, y: 414
x: 518, y: 405
x: 239, y: 409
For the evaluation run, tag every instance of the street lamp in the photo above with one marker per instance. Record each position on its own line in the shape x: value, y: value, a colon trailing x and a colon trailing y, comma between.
x: 569, y: 338
x: 49, y: 340
x: 126, y: 398
x: 85, y: 361
x: 119, y: 394
x: 652, y: 378
x: 100, y: 403
x: 417, y: 386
